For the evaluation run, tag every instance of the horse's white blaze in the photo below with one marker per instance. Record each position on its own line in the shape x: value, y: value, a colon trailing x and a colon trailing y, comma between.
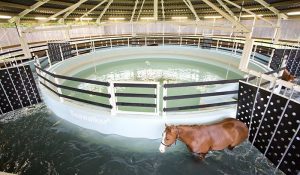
x: 162, y: 148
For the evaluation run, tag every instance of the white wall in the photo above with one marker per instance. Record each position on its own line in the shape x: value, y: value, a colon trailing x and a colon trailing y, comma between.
x: 290, y: 30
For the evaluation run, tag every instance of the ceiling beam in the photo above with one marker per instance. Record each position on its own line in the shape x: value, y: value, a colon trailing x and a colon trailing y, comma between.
x: 72, y: 10
x: 191, y: 7
x: 103, y: 11
x: 227, y: 9
x: 140, y: 10
x: 55, y: 15
x: 133, y: 12
x: 155, y: 9
x: 26, y: 11
x: 271, y: 8
x: 98, y: 5
x: 163, y: 9
x: 228, y: 17
x: 250, y: 12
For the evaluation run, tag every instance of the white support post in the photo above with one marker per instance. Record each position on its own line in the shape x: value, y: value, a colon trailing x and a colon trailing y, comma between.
x: 112, y: 100
x: 49, y: 60
x: 76, y: 49
x: 164, y: 106
x: 254, y: 52
x: 246, y: 53
x: 180, y: 41
x: 199, y: 42
x: 277, y: 31
x: 58, y: 89
x: 61, y: 54
x: 157, y: 92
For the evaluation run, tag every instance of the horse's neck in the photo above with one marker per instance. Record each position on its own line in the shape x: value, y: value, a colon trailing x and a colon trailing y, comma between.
x: 186, y: 134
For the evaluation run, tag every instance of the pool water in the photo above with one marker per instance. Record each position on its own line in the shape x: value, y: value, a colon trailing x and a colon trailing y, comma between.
x: 164, y: 70
x: 34, y: 141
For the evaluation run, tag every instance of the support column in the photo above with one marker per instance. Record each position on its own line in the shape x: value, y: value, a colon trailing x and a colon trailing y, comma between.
x: 246, y: 53
x: 25, y: 47
x: 67, y: 34
x: 23, y: 42
x: 277, y: 31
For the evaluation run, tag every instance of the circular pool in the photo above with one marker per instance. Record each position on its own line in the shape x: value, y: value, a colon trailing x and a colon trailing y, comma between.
x: 145, y: 65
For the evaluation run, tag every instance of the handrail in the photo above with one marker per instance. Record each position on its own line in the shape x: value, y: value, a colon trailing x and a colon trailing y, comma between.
x: 145, y: 85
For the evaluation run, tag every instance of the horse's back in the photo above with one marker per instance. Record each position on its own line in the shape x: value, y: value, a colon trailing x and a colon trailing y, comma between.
x: 238, y: 129
x: 232, y: 130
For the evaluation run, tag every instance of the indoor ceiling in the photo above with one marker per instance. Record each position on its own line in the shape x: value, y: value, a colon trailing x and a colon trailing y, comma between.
x: 123, y: 9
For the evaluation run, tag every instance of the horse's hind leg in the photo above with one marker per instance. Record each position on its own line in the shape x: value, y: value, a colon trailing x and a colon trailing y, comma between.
x: 230, y: 147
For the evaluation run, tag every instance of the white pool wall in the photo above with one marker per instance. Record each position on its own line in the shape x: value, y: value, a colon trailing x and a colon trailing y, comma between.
x: 133, y: 125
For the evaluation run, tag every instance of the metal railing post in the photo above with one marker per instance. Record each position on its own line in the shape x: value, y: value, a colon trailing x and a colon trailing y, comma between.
x: 157, y: 90
x: 180, y: 41
x: 49, y: 60
x: 112, y: 99
x: 76, y: 49
x: 61, y: 53
x: 58, y: 90
x: 165, y: 93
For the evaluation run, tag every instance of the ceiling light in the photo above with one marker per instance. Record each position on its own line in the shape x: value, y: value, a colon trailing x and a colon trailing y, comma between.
x: 4, y: 17
x: 293, y: 13
x: 116, y: 18
x: 249, y: 16
x: 43, y: 18
x: 213, y: 17
x: 179, y: 17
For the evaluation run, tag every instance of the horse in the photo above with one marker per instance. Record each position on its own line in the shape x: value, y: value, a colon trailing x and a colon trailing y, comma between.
x: 200, y: 139
x: 287, y: 76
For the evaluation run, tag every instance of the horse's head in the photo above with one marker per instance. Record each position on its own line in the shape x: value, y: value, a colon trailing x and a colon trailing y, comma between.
x: 169, y: 137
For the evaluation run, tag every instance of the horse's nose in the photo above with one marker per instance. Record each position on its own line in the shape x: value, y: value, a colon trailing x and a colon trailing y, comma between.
x: 162, y: 148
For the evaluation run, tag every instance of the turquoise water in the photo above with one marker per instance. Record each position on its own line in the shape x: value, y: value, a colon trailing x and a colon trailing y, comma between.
x: 164, y: 70
x: 36, y: 142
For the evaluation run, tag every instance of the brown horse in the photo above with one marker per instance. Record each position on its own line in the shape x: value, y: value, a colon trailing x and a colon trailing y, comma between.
x: 200, y: 139
x: 287, y: 76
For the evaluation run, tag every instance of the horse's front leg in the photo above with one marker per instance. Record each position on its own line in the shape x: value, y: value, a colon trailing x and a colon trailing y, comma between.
x: 202, y: 156
x: 199, y: 156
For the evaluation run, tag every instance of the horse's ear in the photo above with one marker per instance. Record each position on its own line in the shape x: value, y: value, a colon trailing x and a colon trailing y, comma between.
x: 166, y: 125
